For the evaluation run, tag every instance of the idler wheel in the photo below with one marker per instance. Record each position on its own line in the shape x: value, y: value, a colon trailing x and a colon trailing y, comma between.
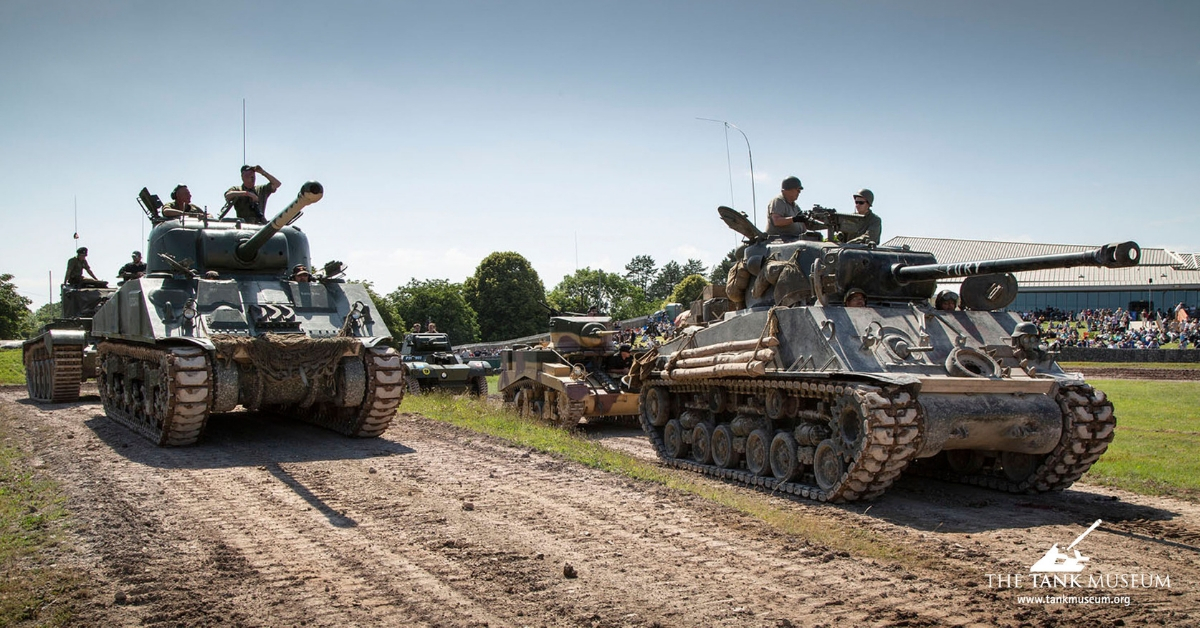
x: 702, y: 444
x: 967, y: 362
x: 784, y: 460
x: 1018, y: 466
x: 827, y: 465
x: 673, y: 438
x: 758, y: 452
x: 723, y: 453
x: 965, y: 461
x: 656, y: 406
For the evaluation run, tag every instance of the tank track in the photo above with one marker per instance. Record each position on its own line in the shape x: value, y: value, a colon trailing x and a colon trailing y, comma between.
x: 1088, y: 425
x: 53, y: 379
x: 891, y: 437
x: 573, y: 414
x: 385, y: 390
x: 162, y: 393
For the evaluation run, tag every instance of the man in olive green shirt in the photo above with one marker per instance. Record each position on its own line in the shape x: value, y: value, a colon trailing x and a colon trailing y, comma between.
x: 784, y: 216
x: 250, y: 201
x: 78, y: 265
x: 872, y: 227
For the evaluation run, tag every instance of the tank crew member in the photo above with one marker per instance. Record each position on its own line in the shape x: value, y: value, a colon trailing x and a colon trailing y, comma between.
x: 181, y: 204
x: 946, y: 300
x: 784, y: 216
x: 78, y: 265
x: 134, y: 269
x: 300, y: 274
x: 250, y: 201
x: 872, y: 226
x: 856, y: 298
x: 430, y: 328
x: 416, y: 328
x: 621, y: 360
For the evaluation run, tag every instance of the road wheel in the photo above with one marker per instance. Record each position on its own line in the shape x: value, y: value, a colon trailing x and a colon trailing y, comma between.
x: 758, y: 452
x: 828, y: 465
x: 1018, y: 466
x: 702, y: 443
x: 673, y: 437
x: 723, y: 453
x: 784, y: 461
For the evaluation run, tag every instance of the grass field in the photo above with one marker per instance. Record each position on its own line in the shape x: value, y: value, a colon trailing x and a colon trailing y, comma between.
x: 33, y: 590
x: 1157, y: 438
x: 12, y: 371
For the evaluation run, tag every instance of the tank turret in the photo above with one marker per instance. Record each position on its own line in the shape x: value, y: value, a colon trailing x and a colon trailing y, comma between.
x: 774, y: 271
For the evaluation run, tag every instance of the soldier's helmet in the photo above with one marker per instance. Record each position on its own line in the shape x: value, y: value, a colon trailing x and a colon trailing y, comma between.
x: 866, y: 195
x: 1025, y: 329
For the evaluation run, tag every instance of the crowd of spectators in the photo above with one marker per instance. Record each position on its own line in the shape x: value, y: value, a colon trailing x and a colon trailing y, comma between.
x: 1119, y: 328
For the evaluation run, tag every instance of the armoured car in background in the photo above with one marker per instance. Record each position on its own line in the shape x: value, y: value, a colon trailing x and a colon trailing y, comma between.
x: 577, y: 376
x: 798, y: 390
x: 432, y: 365
x: 220, y: 321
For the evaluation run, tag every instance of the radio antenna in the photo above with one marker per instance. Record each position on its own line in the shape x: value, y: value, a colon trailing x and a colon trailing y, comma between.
x: 243, y: 130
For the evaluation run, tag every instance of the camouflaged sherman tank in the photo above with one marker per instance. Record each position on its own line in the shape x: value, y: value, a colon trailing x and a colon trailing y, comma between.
x: 219, y: 321
x: 432, y: 365
x: 578, y: 375
x: 63, y: 353
x: 798, y: 390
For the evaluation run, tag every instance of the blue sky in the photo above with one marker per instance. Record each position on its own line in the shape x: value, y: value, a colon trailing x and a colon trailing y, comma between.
x: 567, y: 131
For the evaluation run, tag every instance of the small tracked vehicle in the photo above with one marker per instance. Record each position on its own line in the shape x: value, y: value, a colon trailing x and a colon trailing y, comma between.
x: 220, y: 321
x: 798, y: 390
x: 577, y: 376
x: 63, y: 353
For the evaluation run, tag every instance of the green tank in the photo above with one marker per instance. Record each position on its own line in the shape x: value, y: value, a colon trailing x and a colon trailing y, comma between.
x: 577, y: 376
x: 431, y: 365
x: 219, y: 322
x: 63, y: 353
x: 799, y: 388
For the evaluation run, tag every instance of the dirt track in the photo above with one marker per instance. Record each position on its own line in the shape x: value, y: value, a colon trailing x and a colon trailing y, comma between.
x: 268, y: 522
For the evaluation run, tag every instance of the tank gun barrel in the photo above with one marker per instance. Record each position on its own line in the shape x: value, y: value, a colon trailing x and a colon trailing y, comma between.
x: 310, y: 193
x: 1116, y: 255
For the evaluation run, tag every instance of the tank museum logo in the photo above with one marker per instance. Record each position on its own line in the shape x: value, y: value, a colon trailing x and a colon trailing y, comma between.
x: 1063, y: 570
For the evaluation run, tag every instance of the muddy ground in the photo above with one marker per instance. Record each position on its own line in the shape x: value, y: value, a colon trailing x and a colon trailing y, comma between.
x: 273, y: 523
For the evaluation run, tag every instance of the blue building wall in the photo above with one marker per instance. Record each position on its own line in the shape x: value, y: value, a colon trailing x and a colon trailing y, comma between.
x: 1125, y: 299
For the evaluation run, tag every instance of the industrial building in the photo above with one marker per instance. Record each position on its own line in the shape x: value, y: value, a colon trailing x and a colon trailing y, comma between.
x: 1162, y: 280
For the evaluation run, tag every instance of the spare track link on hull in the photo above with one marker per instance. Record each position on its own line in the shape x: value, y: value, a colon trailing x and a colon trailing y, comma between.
x: 385, y: 391
x: 162, y: 393
x: 53, y: 379
x: 1088, y: 424
x: 891, y: 436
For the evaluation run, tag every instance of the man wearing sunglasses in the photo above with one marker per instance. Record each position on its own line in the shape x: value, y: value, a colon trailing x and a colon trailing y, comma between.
x: 869, y: 230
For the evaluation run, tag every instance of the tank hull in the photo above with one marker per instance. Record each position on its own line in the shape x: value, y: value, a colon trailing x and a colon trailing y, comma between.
x: 833, y: 403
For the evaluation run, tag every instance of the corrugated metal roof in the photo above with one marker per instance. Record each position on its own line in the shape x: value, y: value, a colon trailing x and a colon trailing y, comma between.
x: 1167, y: 269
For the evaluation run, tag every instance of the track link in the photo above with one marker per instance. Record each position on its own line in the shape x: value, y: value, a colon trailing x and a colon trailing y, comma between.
x: 384, y: 392
x: 53, y: 379
x: 163, y: 393
x: 1088, y: 425
x: 891, y: 436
